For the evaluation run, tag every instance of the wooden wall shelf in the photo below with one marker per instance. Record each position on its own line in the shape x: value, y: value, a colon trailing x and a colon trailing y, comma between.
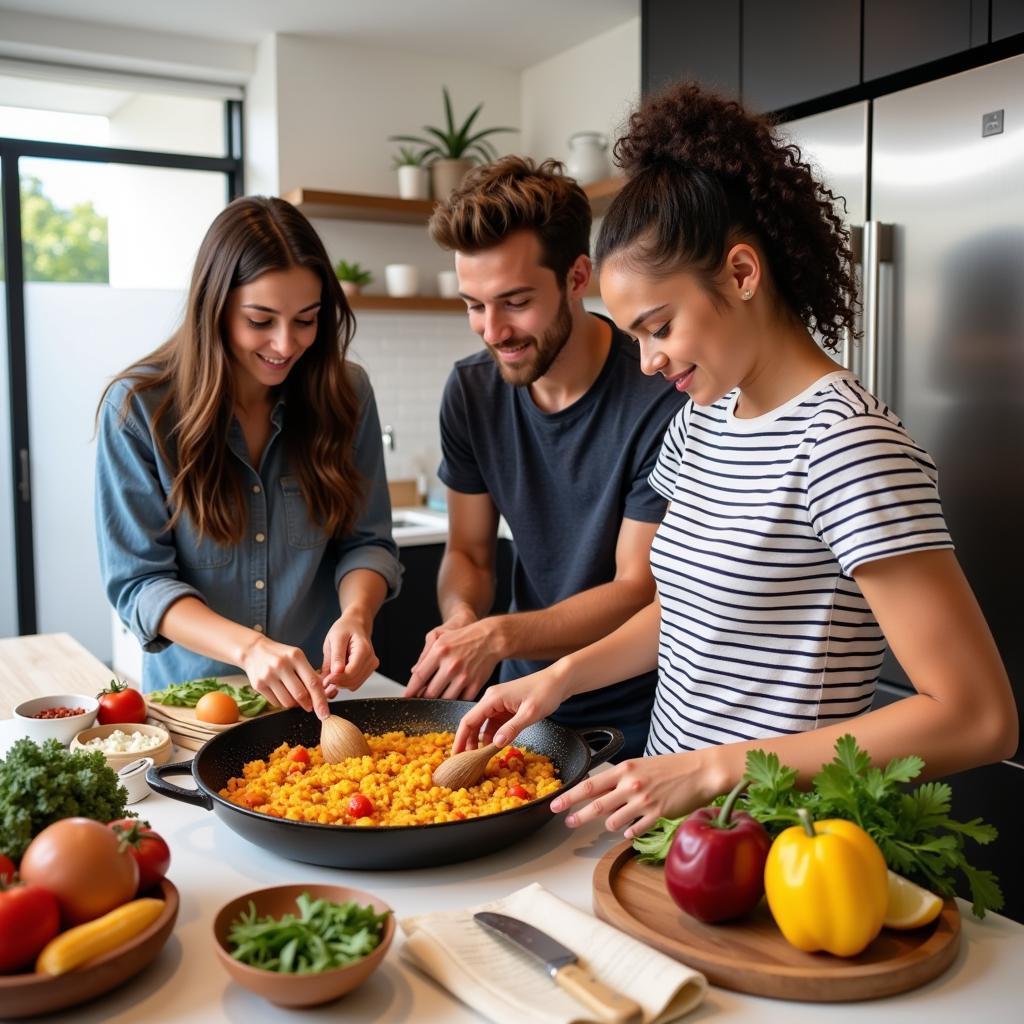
x: 359, y: 206
x: 392, y: 210
x: 602, y: 192
x: 415, y: 304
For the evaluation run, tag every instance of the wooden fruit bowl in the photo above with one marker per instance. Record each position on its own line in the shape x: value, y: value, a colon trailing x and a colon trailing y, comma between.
x: 29, y: 994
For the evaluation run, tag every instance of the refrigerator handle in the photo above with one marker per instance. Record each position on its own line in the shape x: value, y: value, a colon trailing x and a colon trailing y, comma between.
x: 877, y: 250
x: 847, y: 353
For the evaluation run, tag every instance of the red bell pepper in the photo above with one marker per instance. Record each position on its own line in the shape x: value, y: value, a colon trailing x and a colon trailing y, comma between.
x: 715, y: 866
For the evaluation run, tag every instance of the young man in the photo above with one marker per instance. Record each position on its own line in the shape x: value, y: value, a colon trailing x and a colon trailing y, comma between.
x: 554, y: 427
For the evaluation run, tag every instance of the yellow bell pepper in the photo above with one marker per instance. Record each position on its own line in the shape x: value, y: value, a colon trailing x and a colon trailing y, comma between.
x: 827, y: 886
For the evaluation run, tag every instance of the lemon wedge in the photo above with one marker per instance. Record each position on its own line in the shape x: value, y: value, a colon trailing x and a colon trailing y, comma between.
x: 910, y: 906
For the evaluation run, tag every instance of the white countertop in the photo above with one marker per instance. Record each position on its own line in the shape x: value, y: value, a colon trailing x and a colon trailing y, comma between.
x: 420, y: 525
x: 211, y: 864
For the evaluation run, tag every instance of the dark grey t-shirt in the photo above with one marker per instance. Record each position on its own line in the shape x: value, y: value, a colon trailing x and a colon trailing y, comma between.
x: 564, y: 481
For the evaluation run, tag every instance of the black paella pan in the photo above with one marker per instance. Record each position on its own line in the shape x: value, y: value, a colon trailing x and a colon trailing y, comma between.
x: 348, y: 846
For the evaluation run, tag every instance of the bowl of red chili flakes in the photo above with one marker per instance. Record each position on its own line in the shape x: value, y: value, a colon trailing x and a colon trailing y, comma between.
x: 59, y: 716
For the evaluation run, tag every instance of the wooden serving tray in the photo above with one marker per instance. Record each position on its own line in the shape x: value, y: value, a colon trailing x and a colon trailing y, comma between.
x: 184, y: 719
x: 751, y: 955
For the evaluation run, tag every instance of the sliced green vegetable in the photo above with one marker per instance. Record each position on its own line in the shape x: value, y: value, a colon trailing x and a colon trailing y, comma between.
x: 654, y: 843
x: 323, y: 935
x: 912, y: 828
x: 186, y: 695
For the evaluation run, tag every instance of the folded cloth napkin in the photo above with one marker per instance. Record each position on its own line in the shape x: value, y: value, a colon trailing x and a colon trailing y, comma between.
x: 509, y: 986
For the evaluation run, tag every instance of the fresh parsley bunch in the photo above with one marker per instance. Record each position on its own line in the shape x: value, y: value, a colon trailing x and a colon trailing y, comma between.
x: 912, y: 828
x: 43, y: 783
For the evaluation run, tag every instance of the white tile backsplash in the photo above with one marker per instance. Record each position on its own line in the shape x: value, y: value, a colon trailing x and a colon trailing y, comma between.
x: 408, y: 358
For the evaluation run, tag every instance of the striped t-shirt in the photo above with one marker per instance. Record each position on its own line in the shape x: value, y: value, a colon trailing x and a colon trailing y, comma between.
x: 763, y: 630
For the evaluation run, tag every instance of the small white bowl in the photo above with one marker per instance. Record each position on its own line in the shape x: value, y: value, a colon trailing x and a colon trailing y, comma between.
x: 160, y: 754
x: 61, y: 729
x: 133, y: 777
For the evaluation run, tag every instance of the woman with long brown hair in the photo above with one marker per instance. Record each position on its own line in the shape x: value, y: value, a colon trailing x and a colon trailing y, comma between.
x: 804, y: 530
x: 242, y: 511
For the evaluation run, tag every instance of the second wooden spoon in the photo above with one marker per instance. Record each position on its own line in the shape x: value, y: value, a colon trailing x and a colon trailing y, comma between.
x: 464, y: 769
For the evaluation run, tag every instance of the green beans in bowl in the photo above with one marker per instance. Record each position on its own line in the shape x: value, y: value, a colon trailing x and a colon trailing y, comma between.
x: 303, y: 945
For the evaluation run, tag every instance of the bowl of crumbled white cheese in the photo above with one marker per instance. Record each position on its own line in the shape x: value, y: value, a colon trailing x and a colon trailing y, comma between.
x: 125, y: 742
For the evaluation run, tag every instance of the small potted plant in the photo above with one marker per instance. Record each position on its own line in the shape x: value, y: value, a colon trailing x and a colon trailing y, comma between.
x: 413, y: 174
x: 352, y: 277
x: 452, y: 150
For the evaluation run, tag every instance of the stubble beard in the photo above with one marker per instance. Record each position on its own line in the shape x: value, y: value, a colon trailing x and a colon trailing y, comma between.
x: 546, y: 349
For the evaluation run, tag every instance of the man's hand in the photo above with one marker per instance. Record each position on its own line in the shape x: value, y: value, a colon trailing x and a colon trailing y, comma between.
x: 458, y: 657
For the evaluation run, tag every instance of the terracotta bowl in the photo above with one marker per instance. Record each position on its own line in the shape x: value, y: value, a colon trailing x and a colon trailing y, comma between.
x: 160, y: 754
x: 298, y: 989
x: 60, y: 729
x: 26, y: 995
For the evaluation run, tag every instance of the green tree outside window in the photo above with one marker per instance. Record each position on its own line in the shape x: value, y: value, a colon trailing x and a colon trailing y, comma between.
x: 64, y: 245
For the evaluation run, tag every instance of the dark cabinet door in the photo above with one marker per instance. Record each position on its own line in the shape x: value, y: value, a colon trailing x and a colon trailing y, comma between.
x: 903, y: 35
x: 797, y: 50
x: 685, y: 39
x: 402, y: 624
x: 1007, y: 18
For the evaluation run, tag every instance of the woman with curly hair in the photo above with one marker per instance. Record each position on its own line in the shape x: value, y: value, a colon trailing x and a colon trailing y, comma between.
x: 242, y: 510
x: 805, y: 529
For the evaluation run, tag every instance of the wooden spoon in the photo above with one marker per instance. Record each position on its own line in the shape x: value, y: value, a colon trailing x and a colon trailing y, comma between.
x: 464, y: 769
x: 340, y: 739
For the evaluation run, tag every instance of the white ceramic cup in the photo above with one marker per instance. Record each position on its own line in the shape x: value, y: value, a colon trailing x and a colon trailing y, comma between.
x: 402, y: 280
x: 448, y: 284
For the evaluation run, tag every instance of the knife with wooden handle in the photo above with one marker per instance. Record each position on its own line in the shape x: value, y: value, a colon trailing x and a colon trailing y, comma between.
x: 561, y: 963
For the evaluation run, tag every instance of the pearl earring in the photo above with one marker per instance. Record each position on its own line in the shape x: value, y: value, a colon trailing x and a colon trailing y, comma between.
x: 747, y: 293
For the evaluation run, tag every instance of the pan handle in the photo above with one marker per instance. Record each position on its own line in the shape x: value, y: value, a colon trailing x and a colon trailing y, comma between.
x: 155, y: 778
x: 613, y: 741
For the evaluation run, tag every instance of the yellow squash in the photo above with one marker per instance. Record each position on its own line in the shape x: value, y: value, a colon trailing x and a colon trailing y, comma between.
x: 94, y: 938
x: 827, y: 886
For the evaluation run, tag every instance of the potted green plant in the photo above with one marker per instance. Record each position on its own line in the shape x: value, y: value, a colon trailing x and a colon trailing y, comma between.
x: 413, y: 173
x: 452, y: 150
x: 352, y: 276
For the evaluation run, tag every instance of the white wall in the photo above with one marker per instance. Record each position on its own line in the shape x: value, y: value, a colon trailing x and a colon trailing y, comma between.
x: 262, y: 170
x: 590, y: 87
x: 338, y: 103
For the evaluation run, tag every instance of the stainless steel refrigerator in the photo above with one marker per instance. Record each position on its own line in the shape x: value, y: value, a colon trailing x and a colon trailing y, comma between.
x: 934, y: 182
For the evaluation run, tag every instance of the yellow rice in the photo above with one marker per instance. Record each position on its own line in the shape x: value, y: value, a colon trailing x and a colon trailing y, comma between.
x: 395, y: 779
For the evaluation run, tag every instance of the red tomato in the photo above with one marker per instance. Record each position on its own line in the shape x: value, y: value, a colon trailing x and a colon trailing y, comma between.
x: 300, y: 754
x: 150, y: 851
x: 519, y: 792
x: 359, y: 806
x: 29, y: 918
x: 80, y: 862
x: 120, y: 703
x: 6, y: 869
x: 513, y: 759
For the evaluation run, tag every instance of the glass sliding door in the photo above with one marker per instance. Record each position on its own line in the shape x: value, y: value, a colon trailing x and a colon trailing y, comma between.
x: 107, y: 251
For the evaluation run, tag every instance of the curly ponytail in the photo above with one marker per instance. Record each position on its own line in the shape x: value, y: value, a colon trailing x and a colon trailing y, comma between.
x: 702, y: 173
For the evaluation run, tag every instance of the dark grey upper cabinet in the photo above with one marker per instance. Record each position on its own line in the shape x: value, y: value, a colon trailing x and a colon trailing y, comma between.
x: 686, y: 39
x: 1007, y: 18
x: 909, y: 33
x: 797, y: 50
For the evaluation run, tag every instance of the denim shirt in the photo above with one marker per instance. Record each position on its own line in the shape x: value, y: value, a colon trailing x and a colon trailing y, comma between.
x: 281, y: 580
